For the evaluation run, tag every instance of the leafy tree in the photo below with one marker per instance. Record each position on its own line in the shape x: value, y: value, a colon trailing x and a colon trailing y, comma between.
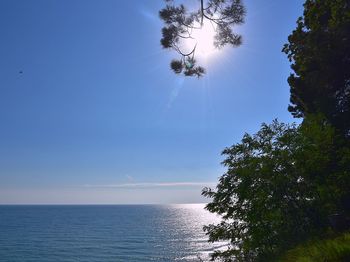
x: 180, y: 25
x: 319, y: 49
x: 278, y: 189
x: 282, y: 183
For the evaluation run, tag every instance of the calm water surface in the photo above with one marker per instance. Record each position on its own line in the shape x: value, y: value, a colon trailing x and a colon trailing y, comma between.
x: 104, y: 233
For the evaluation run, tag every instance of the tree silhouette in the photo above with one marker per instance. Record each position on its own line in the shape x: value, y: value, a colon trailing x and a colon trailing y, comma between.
x: 319, y: 49
x: 180, y: 25
x: 287, y: 183
x: 278, y: 189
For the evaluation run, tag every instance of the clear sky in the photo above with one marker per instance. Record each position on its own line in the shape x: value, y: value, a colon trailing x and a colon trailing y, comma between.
x: 91, y: 113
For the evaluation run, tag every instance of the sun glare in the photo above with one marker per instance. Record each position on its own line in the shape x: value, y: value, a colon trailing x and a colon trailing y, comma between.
x: 203, y: 39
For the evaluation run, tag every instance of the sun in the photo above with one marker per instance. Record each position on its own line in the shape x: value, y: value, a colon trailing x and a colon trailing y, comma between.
x: 203, y: 39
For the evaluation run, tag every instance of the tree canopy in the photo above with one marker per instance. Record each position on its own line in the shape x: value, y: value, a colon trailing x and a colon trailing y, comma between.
x: 319, y: 49
x: 284, y: 183
x: 180, y: 24
x: 278, y: 189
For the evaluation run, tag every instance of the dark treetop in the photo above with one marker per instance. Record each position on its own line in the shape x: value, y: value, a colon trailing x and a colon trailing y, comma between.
x: 319, y: 49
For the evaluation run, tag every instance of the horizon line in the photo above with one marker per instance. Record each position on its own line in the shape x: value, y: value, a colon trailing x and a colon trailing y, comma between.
x: 153, y: 184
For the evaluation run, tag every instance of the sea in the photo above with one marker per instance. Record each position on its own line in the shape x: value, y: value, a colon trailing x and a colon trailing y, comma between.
x: 105, y: 233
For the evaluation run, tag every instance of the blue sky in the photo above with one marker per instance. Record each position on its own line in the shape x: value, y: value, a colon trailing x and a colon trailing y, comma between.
x: 98, y: 117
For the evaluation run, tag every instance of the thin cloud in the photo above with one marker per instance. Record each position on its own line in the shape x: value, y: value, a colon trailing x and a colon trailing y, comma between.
x: 157, y: 184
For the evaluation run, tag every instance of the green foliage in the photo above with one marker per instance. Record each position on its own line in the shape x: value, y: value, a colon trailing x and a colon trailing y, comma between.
x: 319, y: 49
x: 279, y: 188
x: 336, y: 250
x: 284, y: 183
x: 180, y: 24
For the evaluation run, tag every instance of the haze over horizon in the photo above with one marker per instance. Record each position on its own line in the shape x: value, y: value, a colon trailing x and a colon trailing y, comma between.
x: 91, y: 113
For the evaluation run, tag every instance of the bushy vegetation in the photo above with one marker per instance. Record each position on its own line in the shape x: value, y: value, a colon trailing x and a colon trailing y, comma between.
x: 336, y: 249
x: 279, y: 189
x: 284, y: 183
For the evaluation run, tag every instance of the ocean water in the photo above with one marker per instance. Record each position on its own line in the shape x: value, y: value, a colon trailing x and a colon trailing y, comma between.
x: 105, y: 233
